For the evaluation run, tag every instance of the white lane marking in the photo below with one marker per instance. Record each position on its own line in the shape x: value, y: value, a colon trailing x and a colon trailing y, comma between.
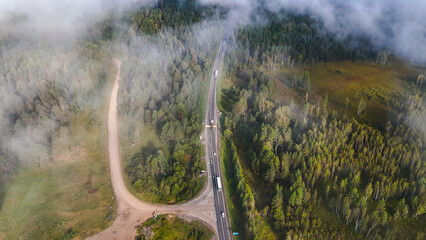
x: 212, y: 215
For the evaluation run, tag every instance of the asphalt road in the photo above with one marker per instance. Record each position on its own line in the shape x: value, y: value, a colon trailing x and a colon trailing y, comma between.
x: 212, y: 148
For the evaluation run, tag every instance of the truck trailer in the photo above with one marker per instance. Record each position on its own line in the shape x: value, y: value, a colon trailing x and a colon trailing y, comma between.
x: 219, y: 184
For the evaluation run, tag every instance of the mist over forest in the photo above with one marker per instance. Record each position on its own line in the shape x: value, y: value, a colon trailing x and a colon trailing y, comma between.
x: 396, y: 25
x: 31, y: 29
x: 56, y: 69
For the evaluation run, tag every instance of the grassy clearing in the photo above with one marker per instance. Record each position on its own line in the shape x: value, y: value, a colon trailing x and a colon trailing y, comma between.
x: 130, y: 144
x: 261, y: 191
x: 224, y: 103
x: 172, y: 227
x: 235, y: 213
x: 334, y: 223
x: 407, y: 227
x: 68, y: 198
x: 380, y: 86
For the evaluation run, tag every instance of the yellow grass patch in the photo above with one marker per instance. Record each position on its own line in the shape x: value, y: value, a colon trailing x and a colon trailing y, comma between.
x: 68, y: 197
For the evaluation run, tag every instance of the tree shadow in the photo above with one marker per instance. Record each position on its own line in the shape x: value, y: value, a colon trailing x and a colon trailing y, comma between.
x: 148, y: 149
x: 2, y: 195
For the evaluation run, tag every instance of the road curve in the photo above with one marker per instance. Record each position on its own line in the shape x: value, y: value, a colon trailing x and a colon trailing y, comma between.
x: 131, y: 211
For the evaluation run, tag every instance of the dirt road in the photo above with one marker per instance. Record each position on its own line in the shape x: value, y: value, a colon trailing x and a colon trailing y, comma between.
x: 131, y: 211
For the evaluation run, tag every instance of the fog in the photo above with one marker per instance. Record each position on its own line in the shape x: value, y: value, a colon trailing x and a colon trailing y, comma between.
x: 393, y: 24
x: 146, y: 77
x: 46, y: 72
x: 398, y: 25
x: 65, y: 18
x: 43, y: 56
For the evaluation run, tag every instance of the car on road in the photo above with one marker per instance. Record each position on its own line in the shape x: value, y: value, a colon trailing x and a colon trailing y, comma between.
x: 223, y: 214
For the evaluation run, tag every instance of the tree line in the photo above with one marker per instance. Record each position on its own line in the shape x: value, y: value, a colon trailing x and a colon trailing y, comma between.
x: 288, y: 40
x: 372, y: 180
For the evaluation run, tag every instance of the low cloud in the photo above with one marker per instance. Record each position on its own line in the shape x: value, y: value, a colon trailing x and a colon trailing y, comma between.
x: 399, y: 25
x: 44, y: 70
x: 58, y: 18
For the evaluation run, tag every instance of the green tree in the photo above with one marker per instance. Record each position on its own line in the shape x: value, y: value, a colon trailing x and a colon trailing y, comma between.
x: 368, y: 191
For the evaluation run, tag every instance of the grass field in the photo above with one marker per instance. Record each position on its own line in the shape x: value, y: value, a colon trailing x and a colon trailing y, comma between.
x: 382, y: 87
x: 171, y: 227
x: 69, y: 198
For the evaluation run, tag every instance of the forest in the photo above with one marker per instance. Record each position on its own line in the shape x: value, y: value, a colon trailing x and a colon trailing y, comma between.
x: 288, y: 40
x: 165, y: 94
x: 319, y: 169
x: 322, y: 136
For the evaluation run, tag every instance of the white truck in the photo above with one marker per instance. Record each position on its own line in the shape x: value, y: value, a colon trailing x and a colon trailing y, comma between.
x: 215, y: 73
x: 219, y: 184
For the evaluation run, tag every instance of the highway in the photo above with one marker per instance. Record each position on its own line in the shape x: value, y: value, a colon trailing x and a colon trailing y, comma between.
x: 212, y: 148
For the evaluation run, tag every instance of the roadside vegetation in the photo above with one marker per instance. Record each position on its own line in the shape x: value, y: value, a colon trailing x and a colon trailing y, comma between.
x: 163, y: 99
x: 173, y: 228
x: 322, y: 149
